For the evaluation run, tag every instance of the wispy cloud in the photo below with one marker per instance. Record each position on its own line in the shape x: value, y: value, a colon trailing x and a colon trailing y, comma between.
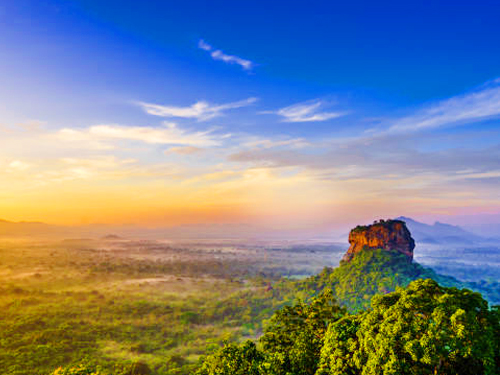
x: 200, y: 110
x: 75, y: 168
x: 64, y: 175
x: 396, y: 150
x: 481, y: 104
x: 306, y: 112
x: 389, y: 157
x: 17, y: 166
x: 257, y: 142
x: 397, y: 154
x: 168, y: 134
x: 100, y: 162
x: 204, y: 46
x: 217, y: 54
x: 184, y: 150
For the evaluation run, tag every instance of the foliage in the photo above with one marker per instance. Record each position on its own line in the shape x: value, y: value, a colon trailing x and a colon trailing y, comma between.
x: 234, y: 359
x: 378, y: 271
x: 78, y: 370
x: 137, y: 368
x: 423, y: 329
x: 62, y: 303
x: 381, y: 222
x: 293, y: 337
x: 291, y: 343
x: 165, y: 308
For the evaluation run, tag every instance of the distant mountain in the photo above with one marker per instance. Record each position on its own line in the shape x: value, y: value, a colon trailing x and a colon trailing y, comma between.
x: 112, y: 237
x: 216, y: 231
x: 28, y: 229
x: 487, y: 230
x: 440, y: 233
x: 24, y: 228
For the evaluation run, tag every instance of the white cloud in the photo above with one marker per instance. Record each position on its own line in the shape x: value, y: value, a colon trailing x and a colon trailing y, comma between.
x: 479, y: 105
x: 64, y: 175
x: 231, y: 59
x: 168, y: 134
x: 101, y: 162
x: 17, y: 166
x: 217, y: 54
x: 200, y: 110
x: 306, y: 112
x: 256, y: 142
x: 204, y: 46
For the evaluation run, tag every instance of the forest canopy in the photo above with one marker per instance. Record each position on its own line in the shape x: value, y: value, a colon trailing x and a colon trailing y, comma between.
x: 422, y: 329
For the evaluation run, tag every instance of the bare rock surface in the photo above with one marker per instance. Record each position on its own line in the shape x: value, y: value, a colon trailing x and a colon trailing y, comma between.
x: 390, y: 235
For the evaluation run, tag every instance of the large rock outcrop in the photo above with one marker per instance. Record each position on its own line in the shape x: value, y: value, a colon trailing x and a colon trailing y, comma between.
x: 390, y: 235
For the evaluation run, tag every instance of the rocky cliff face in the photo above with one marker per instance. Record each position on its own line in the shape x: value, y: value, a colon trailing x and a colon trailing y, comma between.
x: 390, y: 235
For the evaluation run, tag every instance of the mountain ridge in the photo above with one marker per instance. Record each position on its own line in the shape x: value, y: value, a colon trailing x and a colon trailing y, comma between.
x: 440, y: 233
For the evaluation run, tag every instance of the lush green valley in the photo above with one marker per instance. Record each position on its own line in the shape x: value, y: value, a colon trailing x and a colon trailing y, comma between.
x: 117, y: 305
x: 125, y: 308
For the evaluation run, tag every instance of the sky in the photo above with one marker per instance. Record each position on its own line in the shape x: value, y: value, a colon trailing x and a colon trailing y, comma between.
x: 284, y: 115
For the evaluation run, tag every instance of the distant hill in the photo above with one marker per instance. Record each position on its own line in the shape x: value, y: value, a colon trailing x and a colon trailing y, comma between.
x: 28, y: 229
x: 111, y: 237
x: 440, y: 233
x: 24, y: 228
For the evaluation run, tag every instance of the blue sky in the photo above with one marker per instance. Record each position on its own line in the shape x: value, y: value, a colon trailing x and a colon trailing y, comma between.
x: 358, y: 101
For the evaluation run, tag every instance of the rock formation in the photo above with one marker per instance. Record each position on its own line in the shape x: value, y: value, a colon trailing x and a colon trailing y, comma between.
x: 390, y: 235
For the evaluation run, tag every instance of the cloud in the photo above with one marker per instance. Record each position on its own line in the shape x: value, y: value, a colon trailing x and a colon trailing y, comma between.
x: 204, y: 46
x: 17, y: 166
x: 67, y: 170
x: 85, y: 172
x: 257, y: 142
x: 381, y: 158
x: 395, y: 151
x: 101, y: 162
x: 217, y: 54
x: 168, y: 134
x: 63, y: 175
x: 305, y: 112
x: 200, y: 110
x: 479, y: 105
x: 184, y: 150
x: 93, y: 167
x: 395, y: 159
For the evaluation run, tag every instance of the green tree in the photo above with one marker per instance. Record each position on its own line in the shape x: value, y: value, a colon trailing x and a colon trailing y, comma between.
x: 340, y: 352
x: 294, y: 336
x: 291, y: 343
x: 233, y: 359
x: 424, y: 329
x: 82, y: 369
